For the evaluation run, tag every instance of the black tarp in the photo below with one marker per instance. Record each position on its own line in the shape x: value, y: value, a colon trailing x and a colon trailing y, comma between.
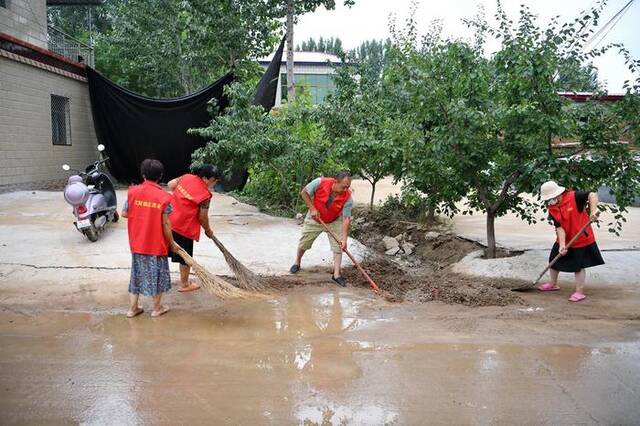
x: 133, y: 127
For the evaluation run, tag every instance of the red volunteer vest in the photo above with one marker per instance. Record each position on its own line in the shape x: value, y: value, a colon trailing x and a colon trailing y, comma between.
x: 567, y: 215
x: 146, y: 203
x: 187, y: 197
x: 321, y: 196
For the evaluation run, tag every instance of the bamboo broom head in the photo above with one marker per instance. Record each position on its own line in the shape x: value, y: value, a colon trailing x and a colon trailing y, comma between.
x: 247, y: 279
x: 213, y: 283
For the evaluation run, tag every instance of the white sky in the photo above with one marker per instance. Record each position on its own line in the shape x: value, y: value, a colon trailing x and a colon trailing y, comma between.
x: 369, y: 19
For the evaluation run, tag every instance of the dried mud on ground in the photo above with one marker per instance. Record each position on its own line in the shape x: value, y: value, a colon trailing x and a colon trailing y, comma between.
x: 424, y: 275
x: 442, y: 285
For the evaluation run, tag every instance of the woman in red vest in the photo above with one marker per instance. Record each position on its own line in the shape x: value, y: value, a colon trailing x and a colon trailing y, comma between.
x: 328, y: 199
x: 567, y: 211
x: 147, y: 209
x: 190, y: 201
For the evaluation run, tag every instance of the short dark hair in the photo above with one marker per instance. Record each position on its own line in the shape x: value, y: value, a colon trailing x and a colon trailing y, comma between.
x: 208, y: 171
x: 341, y: 175
x: 151, y: 169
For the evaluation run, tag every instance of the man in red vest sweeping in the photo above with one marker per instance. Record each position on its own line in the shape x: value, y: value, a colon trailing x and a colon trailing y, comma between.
x: 191, y: 200
x: 328, y: 199
x: 568, y: 212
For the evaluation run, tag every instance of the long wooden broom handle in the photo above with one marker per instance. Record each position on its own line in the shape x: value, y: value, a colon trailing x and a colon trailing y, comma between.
x: 353, y: 259
x: 571, y: 241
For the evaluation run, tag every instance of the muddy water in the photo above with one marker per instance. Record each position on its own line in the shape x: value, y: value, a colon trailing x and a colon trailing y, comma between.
x: 315, y: 356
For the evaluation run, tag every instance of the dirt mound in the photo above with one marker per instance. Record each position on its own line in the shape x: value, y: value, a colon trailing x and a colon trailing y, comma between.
x: 418, y: 273
x: 443, y: 286
x: 421, y: 273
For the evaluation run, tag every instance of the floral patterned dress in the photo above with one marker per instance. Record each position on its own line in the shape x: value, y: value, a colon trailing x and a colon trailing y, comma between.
x: 149, y: 274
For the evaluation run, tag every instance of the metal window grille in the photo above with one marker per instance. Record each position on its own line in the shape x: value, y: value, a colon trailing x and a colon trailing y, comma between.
x: 60, y: 120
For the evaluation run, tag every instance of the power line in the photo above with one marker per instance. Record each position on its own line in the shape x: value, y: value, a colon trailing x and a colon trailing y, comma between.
x: 608, y: 26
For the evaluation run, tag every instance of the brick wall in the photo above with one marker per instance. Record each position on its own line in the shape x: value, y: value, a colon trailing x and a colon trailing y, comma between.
x: 27, y: 153
x: 26, y: 20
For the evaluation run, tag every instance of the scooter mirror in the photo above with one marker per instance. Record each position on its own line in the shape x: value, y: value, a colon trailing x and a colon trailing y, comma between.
x: 100, y: 147
x: 66, y: 167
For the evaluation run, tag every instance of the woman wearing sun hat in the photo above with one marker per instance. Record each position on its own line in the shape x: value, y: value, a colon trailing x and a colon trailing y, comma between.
x: 567, y: 211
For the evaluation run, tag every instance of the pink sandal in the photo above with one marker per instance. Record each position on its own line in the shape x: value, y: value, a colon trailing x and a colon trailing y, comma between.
x: 548, y: 287
x: 576, y: 297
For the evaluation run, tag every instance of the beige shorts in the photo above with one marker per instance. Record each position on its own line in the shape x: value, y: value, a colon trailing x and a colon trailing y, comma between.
x: 311, y: 230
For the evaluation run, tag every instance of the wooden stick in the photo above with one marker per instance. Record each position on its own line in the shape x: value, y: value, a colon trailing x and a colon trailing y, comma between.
x: 558, y: 256
x: 353, y: 259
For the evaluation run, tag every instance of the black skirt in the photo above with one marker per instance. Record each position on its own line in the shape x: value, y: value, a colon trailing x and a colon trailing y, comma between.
x: 576, y: 258
x: 185, y: 243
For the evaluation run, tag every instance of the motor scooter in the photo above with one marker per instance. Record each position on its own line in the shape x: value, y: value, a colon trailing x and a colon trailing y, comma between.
x: 93, y: 197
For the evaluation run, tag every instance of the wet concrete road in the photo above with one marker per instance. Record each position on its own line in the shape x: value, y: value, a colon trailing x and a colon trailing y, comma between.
x: 316, y: 355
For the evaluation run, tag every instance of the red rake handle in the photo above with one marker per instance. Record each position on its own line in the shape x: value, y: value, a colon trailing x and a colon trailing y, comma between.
x: 353, y: 259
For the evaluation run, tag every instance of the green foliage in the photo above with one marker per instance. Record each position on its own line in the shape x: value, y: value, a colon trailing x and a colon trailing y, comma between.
x: 77, y: 21
x: 329, y: 45
x: 279, y: 7
x: 283, y: 150
x: 359, y: 119
x: 489, y: 122
x: 411, y: 204
x: 575, y: 77
x: 167, y: 48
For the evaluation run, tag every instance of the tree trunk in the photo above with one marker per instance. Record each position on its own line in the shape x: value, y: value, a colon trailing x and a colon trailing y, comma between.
x: 373, y: 193
x: 491, y: 235
x: 431, y: 214
x: 291, y: 91
x: 183, y: 72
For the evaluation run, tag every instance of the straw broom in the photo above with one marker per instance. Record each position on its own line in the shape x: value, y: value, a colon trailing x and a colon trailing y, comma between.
x: 213, y: 283
x: 247, y: 280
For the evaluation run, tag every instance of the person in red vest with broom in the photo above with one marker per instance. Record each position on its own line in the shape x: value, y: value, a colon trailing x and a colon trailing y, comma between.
x: 567, y: 211
x: 147, y: 210
x: 191, y: 200
x: 329, y: 200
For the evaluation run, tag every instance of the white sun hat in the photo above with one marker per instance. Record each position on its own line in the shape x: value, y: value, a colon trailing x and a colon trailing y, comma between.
x: 550, y: 190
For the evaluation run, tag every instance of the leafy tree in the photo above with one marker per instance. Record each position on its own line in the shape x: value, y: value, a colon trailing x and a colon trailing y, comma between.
x: 80, y: 21
x: 359, y: 118
x: 414, y: 72
x: 491, y: 121
x: 173, y: 47
x: 282, y: 150
x: 166, y: 48
x: 290, y: 9
x: 575, y: 77
x: 329, y: 45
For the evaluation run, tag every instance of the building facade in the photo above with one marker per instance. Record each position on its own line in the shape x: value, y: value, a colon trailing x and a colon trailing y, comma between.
x: 45, y: 111
x: 312, y: 71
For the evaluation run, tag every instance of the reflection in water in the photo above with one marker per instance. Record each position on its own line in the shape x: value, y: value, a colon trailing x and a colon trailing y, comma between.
x: 107, y: 387
x: 327, y: 413
x: 303, y: 358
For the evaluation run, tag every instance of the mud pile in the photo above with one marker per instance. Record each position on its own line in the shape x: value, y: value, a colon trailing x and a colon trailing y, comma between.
x: 421, y: 272
x: 442, y: 285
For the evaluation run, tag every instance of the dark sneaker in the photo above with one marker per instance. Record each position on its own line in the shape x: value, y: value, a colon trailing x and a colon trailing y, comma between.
x: 294, y: 269
x: 341, y: 281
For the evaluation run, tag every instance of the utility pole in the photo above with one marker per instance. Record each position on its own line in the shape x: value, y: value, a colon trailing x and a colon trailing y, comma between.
x: 291, y: 90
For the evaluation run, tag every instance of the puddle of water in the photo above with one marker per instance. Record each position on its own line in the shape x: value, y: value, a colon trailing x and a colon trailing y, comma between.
x: 297, y: 359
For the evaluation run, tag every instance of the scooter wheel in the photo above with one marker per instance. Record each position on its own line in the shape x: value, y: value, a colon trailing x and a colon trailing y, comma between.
x: 116, y: 217
x: 92, y: 234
